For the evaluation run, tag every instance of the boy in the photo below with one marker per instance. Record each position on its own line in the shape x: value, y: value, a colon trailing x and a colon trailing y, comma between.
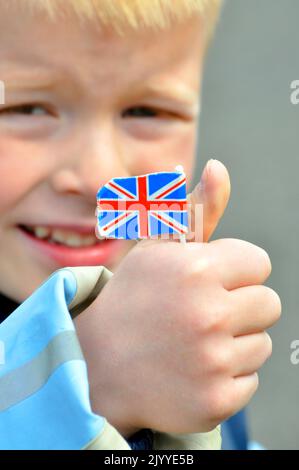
x: 97, y: 89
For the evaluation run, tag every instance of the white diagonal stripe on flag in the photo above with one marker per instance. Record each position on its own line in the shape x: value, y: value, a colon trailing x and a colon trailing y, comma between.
x: 129, y: 215
x: 167, y: 220
x: 121, y: 192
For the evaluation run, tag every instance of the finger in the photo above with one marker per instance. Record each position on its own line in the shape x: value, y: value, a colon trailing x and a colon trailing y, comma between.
x: 254, y: 309
x: 251, y: 352
x: 239, y: 263
x: 244, y: 387
x: 236, y: 394
x: 208, y: 201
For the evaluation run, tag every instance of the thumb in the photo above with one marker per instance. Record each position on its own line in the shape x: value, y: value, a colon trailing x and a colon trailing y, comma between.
x: 209, y: 200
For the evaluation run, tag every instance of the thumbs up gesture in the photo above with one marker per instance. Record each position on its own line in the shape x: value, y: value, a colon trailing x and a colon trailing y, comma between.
x: 175, y: 339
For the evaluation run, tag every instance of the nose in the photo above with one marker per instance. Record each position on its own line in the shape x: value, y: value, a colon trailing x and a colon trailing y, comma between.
x: 92, y: 158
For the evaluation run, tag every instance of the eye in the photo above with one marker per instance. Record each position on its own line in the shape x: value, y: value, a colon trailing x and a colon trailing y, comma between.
x: 27, y: 110
x: 141, y: 112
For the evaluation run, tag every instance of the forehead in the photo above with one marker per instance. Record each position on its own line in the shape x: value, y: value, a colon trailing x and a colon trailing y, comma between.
x: 70, y: 46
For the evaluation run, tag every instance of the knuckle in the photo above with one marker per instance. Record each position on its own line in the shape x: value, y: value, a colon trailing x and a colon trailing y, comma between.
x: 197, y: 269
x: 216, y: 319
x: 204, y: 315
x: 217, y: 360
x: 224, y: 360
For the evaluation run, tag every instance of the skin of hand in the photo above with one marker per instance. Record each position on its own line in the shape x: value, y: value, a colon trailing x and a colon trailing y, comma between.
x: 176, y: 337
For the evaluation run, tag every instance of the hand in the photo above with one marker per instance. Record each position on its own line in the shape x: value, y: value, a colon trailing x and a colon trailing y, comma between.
x: 176, y: 337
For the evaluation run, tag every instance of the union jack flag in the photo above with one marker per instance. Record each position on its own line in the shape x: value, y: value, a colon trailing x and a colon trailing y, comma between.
x: 143, y: 206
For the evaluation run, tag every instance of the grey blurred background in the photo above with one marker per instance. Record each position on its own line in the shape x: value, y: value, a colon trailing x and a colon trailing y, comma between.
x: 249, y: 123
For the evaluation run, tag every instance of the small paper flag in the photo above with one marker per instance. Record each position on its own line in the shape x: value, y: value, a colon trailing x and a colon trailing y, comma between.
x: 143, y: 206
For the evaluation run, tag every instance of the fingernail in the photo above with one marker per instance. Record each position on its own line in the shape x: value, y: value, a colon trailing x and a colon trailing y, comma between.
x: 209, y: 167
x: 205, y: 174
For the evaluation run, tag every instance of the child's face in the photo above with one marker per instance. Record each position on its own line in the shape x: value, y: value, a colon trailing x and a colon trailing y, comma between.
x: 83, y: 106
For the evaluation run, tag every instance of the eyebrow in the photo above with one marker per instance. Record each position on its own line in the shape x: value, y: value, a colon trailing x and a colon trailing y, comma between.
x: 29, y: 78
x: 43, y: 78
x: 176, y: 90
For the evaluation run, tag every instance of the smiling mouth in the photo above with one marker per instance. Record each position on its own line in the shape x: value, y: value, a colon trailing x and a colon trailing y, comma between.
x: 59, y: 236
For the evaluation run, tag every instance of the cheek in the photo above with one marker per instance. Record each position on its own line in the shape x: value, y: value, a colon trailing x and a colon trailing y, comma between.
x: 185, y: 154
x: 20, y: 168
x: 164, y: 155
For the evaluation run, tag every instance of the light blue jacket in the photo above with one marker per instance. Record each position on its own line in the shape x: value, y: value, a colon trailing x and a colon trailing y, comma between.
x: 44, y: 394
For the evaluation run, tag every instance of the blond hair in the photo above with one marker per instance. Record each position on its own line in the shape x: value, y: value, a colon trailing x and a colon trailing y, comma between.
x: 134, y: 13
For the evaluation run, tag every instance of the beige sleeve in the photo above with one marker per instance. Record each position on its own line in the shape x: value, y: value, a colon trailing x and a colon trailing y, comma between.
x: 199, y: 441
x: 108, y: 439
x: 90, y: 281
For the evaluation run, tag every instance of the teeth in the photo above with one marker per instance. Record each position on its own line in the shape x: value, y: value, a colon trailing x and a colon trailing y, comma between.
x: 64, y: 237
x: 90, y: 240
x: 41, y: 232
x: 59, y: 236
x: 71, y: 240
